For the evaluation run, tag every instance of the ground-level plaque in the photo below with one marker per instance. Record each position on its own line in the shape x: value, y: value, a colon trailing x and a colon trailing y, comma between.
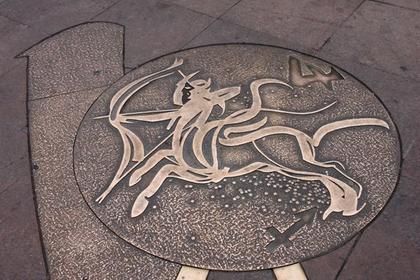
x: 230, y: 157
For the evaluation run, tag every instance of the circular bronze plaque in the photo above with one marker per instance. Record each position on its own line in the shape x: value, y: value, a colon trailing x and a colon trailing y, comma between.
x: 237, y: 157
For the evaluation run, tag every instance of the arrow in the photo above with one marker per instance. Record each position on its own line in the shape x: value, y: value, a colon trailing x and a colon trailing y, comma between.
x: 305, y: 218
x: 138, y: 113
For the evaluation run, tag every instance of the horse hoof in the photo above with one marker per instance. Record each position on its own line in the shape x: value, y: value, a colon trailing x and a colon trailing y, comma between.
x: 134, y: 179
x: 139, y: 206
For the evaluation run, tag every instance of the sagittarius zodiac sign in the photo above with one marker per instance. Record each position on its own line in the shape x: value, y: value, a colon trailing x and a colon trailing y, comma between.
x: 196, y: 100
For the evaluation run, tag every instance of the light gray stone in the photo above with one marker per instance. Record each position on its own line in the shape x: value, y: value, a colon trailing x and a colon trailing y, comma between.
x: 20, y: 248
x: 381, y: 36
x: 305, y: 23
x: 14, y: 38
x: 84, y: 57
x: 221, y: 32
x: 208, y: 7
x: 389, y: 248
x: 51, y: 16
x: 410, y: 4
x: 154, y: 28
x: 326, y: 267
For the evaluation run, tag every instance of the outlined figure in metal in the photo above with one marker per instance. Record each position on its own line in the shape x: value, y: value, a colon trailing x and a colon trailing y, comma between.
x: 196, y: 101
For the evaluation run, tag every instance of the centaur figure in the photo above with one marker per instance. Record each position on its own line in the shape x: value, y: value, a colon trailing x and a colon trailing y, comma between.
x: 196, y: 101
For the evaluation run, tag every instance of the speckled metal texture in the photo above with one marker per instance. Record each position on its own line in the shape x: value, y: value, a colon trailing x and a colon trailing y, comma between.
x: 224, y: 225
x: 76, y: 243
x: 88, y: 56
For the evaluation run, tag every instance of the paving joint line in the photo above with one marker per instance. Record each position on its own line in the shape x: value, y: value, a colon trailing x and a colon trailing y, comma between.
x: 8, y: 71
x: 69, y: 92
x: 346, y: 61
x: 46, y: 269
x: 105, y: 9
x: 340, y: 25
x: 14, y: 20
x: 211, y: 23
x: 410, y: 146
x: 186, y: 8
x: 413, y: 180
x: 302, y: 48
x: 346, y: 259
x: 394, y: 5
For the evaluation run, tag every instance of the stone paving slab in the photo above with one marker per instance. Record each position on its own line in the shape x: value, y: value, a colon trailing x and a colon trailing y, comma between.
x: 208, y: 7
x: 328, y: 266
x: 410, y: 4
x: 14, y: 38
x: 303, y: 22
x: 154, y: 27
x: 73, y: 60
x: 222, y: 31
x: 381, y: 36
x: 391, y: 241
x: 20, y: 247
x: 50, y: 16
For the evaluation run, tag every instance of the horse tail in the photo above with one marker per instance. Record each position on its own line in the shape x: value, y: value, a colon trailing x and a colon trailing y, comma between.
x: 325, y: 129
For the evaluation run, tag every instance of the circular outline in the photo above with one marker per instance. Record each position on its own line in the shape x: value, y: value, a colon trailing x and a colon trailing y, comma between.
x: 351, y: 237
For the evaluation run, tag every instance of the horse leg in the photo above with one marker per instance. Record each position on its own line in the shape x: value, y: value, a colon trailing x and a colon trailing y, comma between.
x: 343, y: 198
x: 344, y: 190
x: 142, y: 200
x: 150, y: 163
x: 329, y: 167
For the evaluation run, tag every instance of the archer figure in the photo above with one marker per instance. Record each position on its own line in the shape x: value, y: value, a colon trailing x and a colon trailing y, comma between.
x: 196, y: 101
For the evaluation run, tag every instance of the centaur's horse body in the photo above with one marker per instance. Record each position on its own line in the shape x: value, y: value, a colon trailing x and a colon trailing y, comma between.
x: 191, y: 121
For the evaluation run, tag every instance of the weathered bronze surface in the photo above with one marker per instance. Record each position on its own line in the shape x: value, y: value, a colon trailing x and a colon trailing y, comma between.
x: 236, y: 157
x: 62, y: 85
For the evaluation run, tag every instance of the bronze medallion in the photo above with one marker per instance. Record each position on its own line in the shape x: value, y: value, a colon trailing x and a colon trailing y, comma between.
x: 237, y: 157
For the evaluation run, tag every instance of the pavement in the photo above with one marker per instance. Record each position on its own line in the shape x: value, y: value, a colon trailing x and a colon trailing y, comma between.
x: 376, y: 41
